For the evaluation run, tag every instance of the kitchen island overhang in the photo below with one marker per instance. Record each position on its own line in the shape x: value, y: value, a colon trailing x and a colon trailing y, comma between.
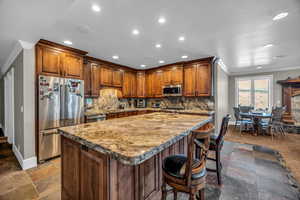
x: 123, y: 156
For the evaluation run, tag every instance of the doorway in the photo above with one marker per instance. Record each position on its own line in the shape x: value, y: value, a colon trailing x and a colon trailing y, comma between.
x: 9, y: 106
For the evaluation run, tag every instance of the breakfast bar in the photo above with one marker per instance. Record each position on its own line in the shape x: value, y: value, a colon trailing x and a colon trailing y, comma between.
x: 121, y: 158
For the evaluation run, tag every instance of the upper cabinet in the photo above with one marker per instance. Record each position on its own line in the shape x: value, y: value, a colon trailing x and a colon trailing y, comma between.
x: 91, y: 80
x: 141, y: 84
x: 129, y: 84
x: 173, y: 75
x: 110, y: 76
x: 73, y: 66
x: 157, y: 83
x: 57, y: 60
x: 197, y: 79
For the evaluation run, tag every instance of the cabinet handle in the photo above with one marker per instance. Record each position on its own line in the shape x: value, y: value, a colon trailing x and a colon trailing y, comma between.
x: 84, y: 148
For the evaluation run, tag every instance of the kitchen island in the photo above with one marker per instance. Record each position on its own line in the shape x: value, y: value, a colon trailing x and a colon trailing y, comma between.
x: 121, y: 159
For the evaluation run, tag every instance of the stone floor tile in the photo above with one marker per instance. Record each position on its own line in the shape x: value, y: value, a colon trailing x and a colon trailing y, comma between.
x: 25, y: 192
x: 43, y: 172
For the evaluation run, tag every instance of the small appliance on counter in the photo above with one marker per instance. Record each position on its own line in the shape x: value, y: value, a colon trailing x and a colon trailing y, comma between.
x: 156, y: 104
x: 140, y: 103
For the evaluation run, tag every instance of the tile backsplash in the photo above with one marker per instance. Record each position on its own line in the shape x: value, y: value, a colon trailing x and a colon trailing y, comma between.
x: 108, y: 100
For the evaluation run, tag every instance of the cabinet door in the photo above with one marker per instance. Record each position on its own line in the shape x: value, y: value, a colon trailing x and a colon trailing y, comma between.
x: 87, y: 79
x: 106, y: 75
x: 203, y: 83
x: 149, y: 86
x: 49, y: 61
x: 157, y: 83
x: 126, y: 84
x: 133, y: 84
x: 70, y: 169
x: 189, y: 80
x: 141, y: 80
x: 177, y: 75
x: 95, y: 80
x: 167, y: 77
x: 117, y: 80
x: 73, y: 66
x: 93, y: 175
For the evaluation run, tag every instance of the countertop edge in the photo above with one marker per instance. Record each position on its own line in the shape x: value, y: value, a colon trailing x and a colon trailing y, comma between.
x: 138, y: 159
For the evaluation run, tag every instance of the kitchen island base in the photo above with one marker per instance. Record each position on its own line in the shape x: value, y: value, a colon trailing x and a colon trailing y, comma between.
x: 91, y: 175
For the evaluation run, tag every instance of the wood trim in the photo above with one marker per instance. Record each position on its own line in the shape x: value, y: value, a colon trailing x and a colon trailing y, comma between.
x: 110, y: 64
x: 61, y: 47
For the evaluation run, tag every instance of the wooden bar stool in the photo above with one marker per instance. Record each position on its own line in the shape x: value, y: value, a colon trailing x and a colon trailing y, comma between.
x: 216, y: 144
x: 185, y: 173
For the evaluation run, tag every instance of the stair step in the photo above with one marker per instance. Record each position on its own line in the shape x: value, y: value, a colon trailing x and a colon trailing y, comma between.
x: 3, y: 140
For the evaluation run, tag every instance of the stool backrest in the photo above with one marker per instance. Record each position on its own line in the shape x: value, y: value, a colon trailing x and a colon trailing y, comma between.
x: 224, y: 128
x: 201, y: 139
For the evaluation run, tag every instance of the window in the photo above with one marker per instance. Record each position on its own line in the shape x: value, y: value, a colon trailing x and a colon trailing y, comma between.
x: 254, y: 91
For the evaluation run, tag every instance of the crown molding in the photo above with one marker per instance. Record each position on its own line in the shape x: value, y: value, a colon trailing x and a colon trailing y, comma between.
x: 264, y: 71
x: 19, y: 46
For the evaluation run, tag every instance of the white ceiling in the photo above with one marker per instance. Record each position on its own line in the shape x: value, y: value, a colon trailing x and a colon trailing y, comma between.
x: 234, y: 30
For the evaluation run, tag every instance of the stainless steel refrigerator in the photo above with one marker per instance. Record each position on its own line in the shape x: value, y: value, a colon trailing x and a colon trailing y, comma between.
x: 61, y: 103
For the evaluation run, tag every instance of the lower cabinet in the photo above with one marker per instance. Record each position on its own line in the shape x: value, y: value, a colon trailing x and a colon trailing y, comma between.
x: 91, y: 175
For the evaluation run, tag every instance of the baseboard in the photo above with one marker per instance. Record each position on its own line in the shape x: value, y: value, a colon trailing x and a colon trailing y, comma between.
x: 27, y: 163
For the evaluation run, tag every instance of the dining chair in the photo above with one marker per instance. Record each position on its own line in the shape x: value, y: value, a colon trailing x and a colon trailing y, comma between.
x: 275, y: 124
x: 187, y: 173
x: 216, y: 144
x: 237, y: 116
x: 245, y: 109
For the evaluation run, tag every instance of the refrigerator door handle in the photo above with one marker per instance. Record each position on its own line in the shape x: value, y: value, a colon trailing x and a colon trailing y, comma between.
x: 62, y: 103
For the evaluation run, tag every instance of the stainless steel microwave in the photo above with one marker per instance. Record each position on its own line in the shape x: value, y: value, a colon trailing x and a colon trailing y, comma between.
x: 172, y: 90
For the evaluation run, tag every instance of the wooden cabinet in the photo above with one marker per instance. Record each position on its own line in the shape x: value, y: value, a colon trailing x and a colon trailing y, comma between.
x: 106, y: 75
x: 73, y: 66
x: 110, y: 77
x: 173, y: 75
x: 129, y: 84
x: 49, y: 61
x: 52, y: 61
x: 117, y: 78
x: 141, y: 84
x: 197, y: 79
x: 84, y: 172
x: 91, y: 80
x: 149, y: 84
x: 157, y: 83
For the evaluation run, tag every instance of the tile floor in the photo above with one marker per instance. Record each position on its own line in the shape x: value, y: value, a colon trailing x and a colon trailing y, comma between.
x: 249, y: 173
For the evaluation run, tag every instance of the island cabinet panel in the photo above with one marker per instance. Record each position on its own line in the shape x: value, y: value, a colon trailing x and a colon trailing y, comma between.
x: 70, y: 169
x: 102, y: 177
x: 73, y: 66
x: 93, y: 175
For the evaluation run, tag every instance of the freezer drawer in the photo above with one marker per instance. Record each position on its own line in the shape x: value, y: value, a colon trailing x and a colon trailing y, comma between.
x: 49, y: 144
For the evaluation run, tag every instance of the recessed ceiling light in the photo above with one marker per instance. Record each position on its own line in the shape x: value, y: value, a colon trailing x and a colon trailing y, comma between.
x: 96, y: 8
x: 258, y: 67
x: 280, y: 16
x: 184, y: 56
x: 161, y: 20
x: 135, y: 32
x: 181, y: 38
x: 68, y: 42
x: 143, y: 65
x: 158, y: 45
x: 268, y: 45
x: 161, y: 61
x: 115, y: 57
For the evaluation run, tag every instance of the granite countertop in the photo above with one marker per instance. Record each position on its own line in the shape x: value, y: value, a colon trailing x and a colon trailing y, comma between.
x: 134, y: 139
x: 193, y: 111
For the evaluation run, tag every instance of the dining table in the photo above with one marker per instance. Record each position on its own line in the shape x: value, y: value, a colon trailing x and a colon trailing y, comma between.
x: 256, y: 117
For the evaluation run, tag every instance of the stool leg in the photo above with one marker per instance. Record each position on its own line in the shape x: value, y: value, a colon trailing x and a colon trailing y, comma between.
x: 201, y: 194
x: 218, y: 166
x: 164, y: 190
x: 192, y: 196
x: 175, y: 194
